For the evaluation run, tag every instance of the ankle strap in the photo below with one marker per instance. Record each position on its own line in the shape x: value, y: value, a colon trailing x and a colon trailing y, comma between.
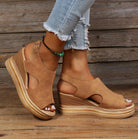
x: 55, y: 53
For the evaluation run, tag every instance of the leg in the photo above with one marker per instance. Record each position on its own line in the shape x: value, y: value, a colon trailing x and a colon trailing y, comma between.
x: 76, y: 48
x: 57, y: 34
x: 59, y: 28
x: 65, y: 16
x: 79, y: 36
x: 75, y: 62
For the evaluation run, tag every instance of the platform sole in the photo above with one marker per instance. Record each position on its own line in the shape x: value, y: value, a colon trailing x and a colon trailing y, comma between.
x: 71, y: 105
x: 21, y: 90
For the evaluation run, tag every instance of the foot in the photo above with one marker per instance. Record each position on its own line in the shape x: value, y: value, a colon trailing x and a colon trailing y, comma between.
x: 32, y: 80
x: 75, y: 65
x: 49, y: 59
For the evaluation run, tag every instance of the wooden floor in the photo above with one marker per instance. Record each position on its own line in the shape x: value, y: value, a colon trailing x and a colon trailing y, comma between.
x: 17, y: 123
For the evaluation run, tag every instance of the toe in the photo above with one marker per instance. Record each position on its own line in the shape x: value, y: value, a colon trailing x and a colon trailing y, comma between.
x: 53, y: 108
x: 50, y: 108
x: 128, y: 103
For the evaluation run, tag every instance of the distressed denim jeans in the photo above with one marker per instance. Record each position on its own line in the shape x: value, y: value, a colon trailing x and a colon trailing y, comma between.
x: 69, y: 20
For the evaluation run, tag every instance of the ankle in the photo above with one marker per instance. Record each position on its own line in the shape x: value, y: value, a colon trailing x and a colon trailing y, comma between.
x: 52, y: 41
x: 49, y: 59
x: 53, y: 44
x: 75, y: 64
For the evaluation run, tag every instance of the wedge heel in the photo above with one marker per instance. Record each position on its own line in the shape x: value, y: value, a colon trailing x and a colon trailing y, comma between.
x: 17, y: 79
x: 71, y: 105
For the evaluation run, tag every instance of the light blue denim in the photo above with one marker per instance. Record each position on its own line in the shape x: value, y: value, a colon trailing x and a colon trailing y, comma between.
x: 69, y: 20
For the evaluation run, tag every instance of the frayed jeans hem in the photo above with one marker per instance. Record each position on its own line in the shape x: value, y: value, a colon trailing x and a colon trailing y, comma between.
x: 68, y: 47
x: 61, y: 36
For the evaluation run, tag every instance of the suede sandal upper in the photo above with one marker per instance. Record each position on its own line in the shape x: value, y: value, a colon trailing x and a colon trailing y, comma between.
x: 42, y: 94
x: 88, y: 88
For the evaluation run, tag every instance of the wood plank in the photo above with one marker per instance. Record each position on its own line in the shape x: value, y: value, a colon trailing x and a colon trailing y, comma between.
x: 110, y: 38
x: 23, y: 125
x: 97, y: 55
x: 110, y: 73
x: 19, y: 16
x: 11, y: 43
x: 114, y: 15
x: 112, y: 54
x: 113, y: 38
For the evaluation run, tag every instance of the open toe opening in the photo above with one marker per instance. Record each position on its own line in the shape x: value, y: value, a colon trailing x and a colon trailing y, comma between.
x: 50, y: 108
x: 128, y: 102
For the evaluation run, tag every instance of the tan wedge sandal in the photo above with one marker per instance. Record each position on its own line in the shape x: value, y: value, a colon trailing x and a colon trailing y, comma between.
x: 112, y: 105
x: 35, y: 100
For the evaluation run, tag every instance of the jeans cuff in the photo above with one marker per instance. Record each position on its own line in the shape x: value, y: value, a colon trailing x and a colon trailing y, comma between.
x: 60, y: 35
x: 83, y: 45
